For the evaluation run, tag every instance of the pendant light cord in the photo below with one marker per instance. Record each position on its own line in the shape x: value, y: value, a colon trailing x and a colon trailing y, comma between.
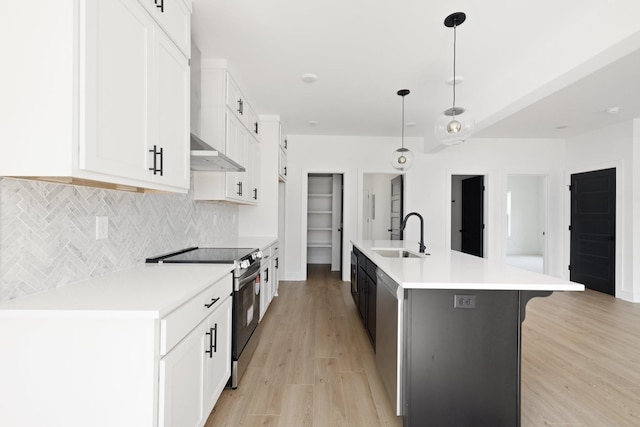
x: 403, y: 121
x: 454, y: 70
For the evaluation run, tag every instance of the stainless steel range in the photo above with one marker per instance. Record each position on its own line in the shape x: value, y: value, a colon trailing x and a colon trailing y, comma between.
x: 246, y: 297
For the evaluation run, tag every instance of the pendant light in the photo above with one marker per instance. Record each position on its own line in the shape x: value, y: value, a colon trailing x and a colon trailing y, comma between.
x: 402, y: 158
x: 455, y: 125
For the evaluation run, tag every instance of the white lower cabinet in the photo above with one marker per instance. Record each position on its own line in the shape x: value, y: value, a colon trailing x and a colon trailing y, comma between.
x: 217, y: 362
x: 105, y: 356
x: 194, y: 373
x: 269, y: 277
x: 182, y: 382
x: 275, y: 271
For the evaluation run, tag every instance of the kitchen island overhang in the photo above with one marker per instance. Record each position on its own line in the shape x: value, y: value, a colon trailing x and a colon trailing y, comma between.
x: 459, y: 333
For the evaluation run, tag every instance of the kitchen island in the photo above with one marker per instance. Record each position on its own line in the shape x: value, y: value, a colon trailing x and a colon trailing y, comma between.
x: 448, y: 329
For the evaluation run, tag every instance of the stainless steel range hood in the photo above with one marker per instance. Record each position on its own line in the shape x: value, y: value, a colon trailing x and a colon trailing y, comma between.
x: 206, y: 158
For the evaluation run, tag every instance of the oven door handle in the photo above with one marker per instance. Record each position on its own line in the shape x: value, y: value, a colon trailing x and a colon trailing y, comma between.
x: 244, y: 280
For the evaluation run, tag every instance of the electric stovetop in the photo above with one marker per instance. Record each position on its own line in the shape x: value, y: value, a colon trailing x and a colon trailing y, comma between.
x: 204, y: 255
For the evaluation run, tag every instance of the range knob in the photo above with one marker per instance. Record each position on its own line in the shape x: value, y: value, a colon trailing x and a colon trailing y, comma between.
x: 258, y: 255
x: 244, y: 263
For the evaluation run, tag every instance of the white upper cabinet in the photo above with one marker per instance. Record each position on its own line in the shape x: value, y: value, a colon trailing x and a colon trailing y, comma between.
x: 107, y: 105
x: 230, y: 125
x: 252, y: 122
x: 171, y: 129
x: 174, y: 17
x: 282, y: 156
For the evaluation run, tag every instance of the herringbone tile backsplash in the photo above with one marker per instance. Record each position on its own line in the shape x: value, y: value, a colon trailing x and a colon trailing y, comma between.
x: 47, y: 231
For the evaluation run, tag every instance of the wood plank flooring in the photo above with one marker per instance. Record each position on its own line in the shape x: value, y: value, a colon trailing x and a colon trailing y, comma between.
x: 315, y: 366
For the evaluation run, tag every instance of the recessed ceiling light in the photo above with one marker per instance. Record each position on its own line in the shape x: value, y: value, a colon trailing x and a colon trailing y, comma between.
x: 309, y: 78
x: 313, y: 122
x: 458, y: 80
x: 613, y: 110
x: 410, y: 124
x: 562, y: 126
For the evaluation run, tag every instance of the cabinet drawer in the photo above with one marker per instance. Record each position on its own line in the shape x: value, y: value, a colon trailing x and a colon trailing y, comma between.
x: 177, y: 324
x: 174, y: 17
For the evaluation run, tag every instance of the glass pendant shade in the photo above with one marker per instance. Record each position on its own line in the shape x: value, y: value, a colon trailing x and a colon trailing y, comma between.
x: 455, y: 124
x: 402, y: 159
x: 452, y: 129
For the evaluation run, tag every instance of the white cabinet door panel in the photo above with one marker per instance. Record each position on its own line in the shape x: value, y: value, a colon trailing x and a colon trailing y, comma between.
x: 181, y: 382
x: 218, y: 363
x: 171, y: 130
x: 174, y: 18
x: 117, y: 50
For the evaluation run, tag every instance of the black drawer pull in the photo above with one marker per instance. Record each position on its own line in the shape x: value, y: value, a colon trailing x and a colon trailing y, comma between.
x: 213, y: 301
x: 213, y: 341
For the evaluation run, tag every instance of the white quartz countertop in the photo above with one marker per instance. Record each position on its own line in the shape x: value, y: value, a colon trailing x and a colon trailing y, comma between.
x: 447, y: 269
x: 148, y: 290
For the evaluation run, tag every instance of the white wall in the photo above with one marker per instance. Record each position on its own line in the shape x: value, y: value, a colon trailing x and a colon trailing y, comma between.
x: 427, y: 187
x: 351, y: 156
x: 527, y: 215
x: 612, y: 147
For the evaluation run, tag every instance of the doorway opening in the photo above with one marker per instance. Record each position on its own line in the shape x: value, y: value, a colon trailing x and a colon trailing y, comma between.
x: 324, y: 220
x: 526, y: 222
x: 382, y: 206
x: 593, y: 230
x: 467, y: 214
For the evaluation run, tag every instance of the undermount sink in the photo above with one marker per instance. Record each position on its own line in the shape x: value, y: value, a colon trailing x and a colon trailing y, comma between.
x: 397, y: 253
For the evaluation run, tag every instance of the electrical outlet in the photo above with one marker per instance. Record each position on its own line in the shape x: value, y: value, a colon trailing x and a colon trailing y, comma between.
x: 464, y: 301
x: 102, y: 227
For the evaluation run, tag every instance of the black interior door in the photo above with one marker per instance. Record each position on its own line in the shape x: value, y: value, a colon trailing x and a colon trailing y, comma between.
x: 397, y: 192
x: 473, y: 215
x: 593, y: 229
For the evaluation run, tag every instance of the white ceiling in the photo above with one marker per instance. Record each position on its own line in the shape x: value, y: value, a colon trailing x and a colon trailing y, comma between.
x: 528, y: 66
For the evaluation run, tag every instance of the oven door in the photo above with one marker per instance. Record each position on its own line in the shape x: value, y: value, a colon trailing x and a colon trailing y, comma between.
x: 246, y: 308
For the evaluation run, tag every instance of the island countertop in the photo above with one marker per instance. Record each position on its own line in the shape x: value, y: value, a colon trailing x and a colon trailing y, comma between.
x: 447, y: 269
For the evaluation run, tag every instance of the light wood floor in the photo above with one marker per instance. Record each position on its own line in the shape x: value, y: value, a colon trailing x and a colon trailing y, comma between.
x: 314, y: 365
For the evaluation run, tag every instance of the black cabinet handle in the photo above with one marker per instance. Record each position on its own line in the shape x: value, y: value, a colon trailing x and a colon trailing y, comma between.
x: 285, y: 171
x: 241, y: 107
x: 266, y: 275
x: 213, y: 301
x: 256, y: 124
x: 277, y: 262
x: 213, y: 341
x: 153, y: 169
x: 160, y: 5
x: 157, y: 153
x: 255, y: 194
x: 215, y: 337
x: 285, y: 144
x: 239, y: 184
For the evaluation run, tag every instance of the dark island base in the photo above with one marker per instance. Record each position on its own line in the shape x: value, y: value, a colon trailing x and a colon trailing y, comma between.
x: 462, y: 364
